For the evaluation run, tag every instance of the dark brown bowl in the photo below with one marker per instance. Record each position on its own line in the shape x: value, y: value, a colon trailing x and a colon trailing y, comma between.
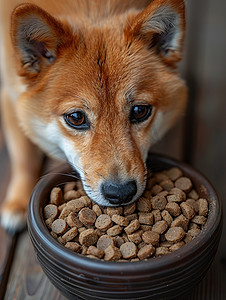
x: 166, y: 277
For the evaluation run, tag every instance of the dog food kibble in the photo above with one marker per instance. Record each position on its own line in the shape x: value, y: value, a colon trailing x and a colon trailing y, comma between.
x: 69, y: 186
x: 81, y: 229
x: 49, y: 223
x: 193, y: 226
x: 160, y: 227
x: 151, y: 237
x: 51, y: 211
x: 73, y: 246
x: 165, y: 244
x: 184, y: 184
x: 176, y: 246
x: 158, y: 202
x: 145, y: 227
x: 105, y: 241
x: 159, y: 177
x: 169, y: 214
x: 120, y: 220
x: 167, y: 184
x: 173, y: 208
x: 128, y: 250
x: 73, y: 220
x: 56, y: 196
x: 163, y: 194
x: 194, y: 232
x: 61, y: 207
x: 201, y: 220
x: 131, y: 217
x: 157, y: 215
x: 70, y: 234
x: 87, y: 216
x: 167, y: 217
x: 175, y: 198
x: 203, y: 207
x: 180, y: 221
x: 103, y: 222
x: 176, y: 191
x: 175, y: 234
x: 174, y: 173
x: 135, y: 237
x: 146, y: 252
x: 112, y: 253
x: 65, y: 212
x: 156, y: 189
x: 133, y: 226
x: 96, y: 208
x: 193, y: 203
x: 193, y: 194
x: 188, y: 210
x: 70, y: 195
x: 159, y: 251
x: 129, y: 209
x: 88, y: 237
x: 59, y: 226
x: 114, y: 211
x: 75, y: 205
x: 115, y: 230
x: 86, y: 201
x: 92, y: 250
x: 146, y: 218
x: 119, y: 241
x: 144, y: 204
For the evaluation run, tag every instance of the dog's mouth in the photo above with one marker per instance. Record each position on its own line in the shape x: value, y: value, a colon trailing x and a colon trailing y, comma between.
x: 111, y: 183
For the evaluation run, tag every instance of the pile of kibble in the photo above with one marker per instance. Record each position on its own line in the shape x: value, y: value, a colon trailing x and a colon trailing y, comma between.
x: 169, y: 214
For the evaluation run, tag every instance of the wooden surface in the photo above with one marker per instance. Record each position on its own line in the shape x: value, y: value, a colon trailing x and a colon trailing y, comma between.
x: 7, y: 242
x: 28, y: 282
x: 199, y: 138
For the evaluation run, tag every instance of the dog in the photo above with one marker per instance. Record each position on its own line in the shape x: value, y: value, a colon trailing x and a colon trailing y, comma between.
x: 92, y: 82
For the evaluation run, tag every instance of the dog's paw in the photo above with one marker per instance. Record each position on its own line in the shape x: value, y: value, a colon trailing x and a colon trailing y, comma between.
x: 13, y: 219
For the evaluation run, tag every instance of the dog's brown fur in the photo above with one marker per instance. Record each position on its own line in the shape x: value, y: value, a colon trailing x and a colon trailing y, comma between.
x: 105, y: 59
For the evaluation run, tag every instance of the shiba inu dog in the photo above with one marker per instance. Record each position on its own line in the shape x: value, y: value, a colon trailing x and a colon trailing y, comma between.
x: 93, y: 82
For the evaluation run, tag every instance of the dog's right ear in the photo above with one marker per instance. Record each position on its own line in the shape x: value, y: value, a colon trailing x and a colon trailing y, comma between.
x: 37, y: 38
x: 161, y: 28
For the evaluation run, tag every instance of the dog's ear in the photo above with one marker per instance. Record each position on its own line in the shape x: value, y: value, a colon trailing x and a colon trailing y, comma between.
x: 37, y: 38
x: 161, y: 27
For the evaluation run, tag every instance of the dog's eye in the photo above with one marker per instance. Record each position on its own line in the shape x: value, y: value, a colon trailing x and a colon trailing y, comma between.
x: 77, y: 120
x: 140, y: 113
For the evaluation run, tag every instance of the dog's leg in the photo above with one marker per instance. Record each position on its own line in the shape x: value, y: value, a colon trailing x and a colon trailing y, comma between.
x: 26, y: 162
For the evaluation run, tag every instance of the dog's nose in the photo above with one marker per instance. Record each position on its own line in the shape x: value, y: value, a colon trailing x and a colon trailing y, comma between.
x: 118, y: 194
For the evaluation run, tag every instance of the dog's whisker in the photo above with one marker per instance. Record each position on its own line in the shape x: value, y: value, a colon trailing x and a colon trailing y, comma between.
x: 94, y: 195
x: 76, y: 167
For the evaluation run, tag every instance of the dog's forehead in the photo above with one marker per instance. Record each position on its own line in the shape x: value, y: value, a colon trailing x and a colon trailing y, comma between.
x: 100, y: 65
x: 103, y: 69
x: 106, y: 64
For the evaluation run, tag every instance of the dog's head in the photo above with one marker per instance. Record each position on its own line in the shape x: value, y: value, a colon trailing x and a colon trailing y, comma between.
x: 99, y: 94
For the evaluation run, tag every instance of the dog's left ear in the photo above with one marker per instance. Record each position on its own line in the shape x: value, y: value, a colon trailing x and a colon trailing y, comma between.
x: 37, y: 38
x: 161, y: 27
